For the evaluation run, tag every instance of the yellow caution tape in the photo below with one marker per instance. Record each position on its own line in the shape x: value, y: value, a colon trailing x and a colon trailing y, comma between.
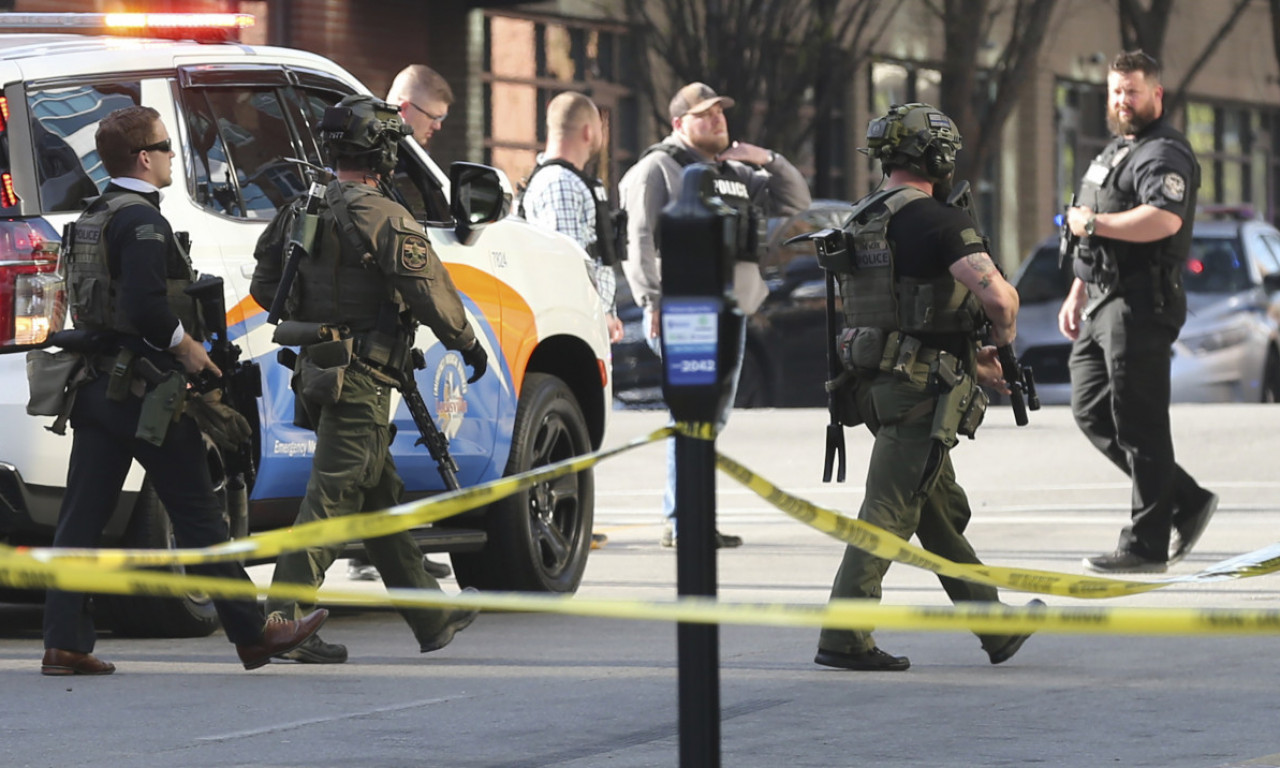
x: 880, y: 542
x: 339, y: 530
x: 20, y: 569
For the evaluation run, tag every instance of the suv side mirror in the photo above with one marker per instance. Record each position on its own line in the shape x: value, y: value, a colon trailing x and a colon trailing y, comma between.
x: 1271, y: 282
x: 477, y: 197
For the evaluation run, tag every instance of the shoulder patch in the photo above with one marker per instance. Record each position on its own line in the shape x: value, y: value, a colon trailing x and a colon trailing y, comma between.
x: 1175, y: 187
x: 970, y: 236
x: 413, y: 253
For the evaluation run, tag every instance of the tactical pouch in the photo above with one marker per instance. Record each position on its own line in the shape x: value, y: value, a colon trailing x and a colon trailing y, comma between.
x: 294, y: 333
x: 900, y: 353
x: 162, y: 406
x: 861, y: 349
x: 52, y: 378
x: 959, y: 412
x: 321, y: 369
x: 121, y: 376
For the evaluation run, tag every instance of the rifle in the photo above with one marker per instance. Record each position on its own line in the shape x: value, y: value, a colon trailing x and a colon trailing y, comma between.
x: 241, y: 382
x: 1022, y: 383
x: 429, y: 434
x: 830, y: 244
x: 301, y: 239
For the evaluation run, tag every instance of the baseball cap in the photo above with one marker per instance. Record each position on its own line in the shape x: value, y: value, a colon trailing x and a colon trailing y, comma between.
x: 695, y: 98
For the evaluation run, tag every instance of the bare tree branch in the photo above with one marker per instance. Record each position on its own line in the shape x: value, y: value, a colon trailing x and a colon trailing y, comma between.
x: 1179, y: 98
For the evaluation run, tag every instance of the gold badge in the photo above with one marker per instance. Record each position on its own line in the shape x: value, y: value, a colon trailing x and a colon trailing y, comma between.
x: 413, y: 253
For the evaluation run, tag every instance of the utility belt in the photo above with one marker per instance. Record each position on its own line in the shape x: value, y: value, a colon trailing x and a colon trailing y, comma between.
x: 960, y: 405
x: 163, y: 393
x: 327, y: 353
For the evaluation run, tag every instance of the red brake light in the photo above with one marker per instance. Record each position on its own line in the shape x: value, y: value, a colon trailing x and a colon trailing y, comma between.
x: 1195, y: 266
x: 32, y: 293
x: 4, y: 113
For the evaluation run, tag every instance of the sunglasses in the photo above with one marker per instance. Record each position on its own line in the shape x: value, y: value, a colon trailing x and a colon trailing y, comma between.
x: 433, y: 118
x: 159, y: 146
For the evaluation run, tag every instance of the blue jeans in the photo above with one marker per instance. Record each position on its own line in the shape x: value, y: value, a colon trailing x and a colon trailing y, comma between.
x: 655, y: 343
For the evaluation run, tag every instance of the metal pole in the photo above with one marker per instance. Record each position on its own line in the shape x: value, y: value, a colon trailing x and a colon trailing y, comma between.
x: 698, y: 644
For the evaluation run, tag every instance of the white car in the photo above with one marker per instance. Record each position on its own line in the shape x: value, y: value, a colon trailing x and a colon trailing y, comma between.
x: 241, y: 118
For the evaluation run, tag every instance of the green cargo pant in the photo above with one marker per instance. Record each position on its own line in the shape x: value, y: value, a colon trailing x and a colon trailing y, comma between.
x: 911, y: 489
x: 353, y: 472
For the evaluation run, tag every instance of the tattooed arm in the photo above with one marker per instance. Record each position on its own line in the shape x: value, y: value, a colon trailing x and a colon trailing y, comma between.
x: 999, y: 299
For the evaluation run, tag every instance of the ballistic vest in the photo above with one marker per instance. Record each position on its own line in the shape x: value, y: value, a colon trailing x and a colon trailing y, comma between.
x: 611, y: 229
x: 733, y: 190
x: 1107, y: 262
x: 874, y: 296
x: 92, y: 294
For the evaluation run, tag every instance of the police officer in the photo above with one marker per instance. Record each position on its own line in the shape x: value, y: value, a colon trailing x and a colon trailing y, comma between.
x: 750, y: 177
x: 373, y: 273
x: 1125, y: 309
x: 917, y: 287
x: 125, y: 275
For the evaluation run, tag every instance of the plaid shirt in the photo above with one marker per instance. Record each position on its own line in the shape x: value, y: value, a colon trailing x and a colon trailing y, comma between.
x: 557, y: 199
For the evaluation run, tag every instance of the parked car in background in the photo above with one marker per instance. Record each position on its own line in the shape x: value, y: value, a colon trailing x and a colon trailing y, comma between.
x: 1229, y: 348
x: 785, y: 360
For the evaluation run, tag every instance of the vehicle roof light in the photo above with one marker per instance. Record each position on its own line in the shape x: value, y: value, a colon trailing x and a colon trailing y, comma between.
x: 4, y: 113
x: 199, y: 25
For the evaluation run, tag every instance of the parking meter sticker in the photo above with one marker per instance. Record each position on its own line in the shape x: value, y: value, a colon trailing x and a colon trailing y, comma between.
x: 689, y: 334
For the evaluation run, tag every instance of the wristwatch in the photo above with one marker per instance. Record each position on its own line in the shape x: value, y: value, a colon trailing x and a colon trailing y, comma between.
x: 1090, y: 224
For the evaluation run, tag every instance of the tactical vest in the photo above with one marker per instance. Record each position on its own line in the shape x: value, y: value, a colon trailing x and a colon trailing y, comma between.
x: 874, y: 296
x: 92, y: 294
x: 610, y: 245
x: 735, y: 192
x: 341, y: 284
x: 1107, y: 262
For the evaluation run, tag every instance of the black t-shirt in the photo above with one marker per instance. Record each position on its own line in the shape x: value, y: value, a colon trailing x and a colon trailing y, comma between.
x: 927, y: 238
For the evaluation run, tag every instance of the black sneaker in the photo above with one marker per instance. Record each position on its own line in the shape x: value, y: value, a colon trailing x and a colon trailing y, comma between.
x: 1124, y: 562
x: 668, y: 536
x: 437, y: 570
x: 459, y: 619
x: 317, y: 651
x: 874, y: 660
x: 1011, y: 646
x: 1185, y: 536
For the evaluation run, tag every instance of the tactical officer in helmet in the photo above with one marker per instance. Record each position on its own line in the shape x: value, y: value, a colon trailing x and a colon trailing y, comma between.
x: 373, y: 274
x: 1125, y: 309
x: 918, y: 288
x: 125, y: 277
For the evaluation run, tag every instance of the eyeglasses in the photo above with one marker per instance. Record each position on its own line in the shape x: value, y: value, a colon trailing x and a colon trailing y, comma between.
x: 159, y: 146
x: 433, y: 118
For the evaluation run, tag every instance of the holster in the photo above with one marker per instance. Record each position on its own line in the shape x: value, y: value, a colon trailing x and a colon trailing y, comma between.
x: 959, y: 411
x: 163, y: 404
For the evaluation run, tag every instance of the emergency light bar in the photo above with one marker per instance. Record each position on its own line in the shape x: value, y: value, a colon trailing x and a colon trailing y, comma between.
x: 201, y: 25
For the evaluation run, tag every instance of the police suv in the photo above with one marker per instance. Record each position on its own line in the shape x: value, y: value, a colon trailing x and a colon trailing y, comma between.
x: 244, y: 119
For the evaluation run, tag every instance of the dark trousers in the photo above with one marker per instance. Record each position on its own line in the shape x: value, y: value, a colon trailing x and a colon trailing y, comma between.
x: 1120, y: 398
x: 102, y: 449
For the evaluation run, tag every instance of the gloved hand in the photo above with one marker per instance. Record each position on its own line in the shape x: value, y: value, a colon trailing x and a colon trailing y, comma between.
x: 225, y: 426
x: 477, y: 358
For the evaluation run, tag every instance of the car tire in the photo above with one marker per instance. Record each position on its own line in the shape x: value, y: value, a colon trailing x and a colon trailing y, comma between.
x: 135, y: 616
x: 539, y: 538
x: 1271, y: 377
x: 753, y: 383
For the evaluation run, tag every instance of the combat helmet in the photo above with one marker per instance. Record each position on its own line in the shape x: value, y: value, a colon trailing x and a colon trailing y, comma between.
x: 918, y: 137
x: 361, y: 126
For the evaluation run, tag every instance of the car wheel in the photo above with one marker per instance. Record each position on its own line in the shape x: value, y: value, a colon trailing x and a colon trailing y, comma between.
x: 1271, y: 377
x: 753, y: 386
x: 538, y: 539
x: 190, y: 616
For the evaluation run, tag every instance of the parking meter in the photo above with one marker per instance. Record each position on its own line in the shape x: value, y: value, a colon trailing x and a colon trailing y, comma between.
x: 699, y: 236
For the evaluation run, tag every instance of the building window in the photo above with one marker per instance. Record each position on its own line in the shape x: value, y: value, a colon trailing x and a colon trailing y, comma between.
x: 1236, y: 147
x: 1081, y: 113
x: 530, y: 59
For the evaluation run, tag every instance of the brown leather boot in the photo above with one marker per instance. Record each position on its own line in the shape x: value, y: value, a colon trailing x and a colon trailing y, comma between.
x: 59, y: 662
x: 280, y: 635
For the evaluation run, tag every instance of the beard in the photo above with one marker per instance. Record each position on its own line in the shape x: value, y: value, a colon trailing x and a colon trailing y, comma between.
x: 1128, y: 126
x: 712, y: 145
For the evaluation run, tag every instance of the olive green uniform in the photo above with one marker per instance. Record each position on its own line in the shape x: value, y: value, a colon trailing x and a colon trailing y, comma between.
x: 896, y: 286
x: 396, y: 273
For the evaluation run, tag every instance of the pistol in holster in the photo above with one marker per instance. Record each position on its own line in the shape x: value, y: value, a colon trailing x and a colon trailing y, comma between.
x: 163, y: 404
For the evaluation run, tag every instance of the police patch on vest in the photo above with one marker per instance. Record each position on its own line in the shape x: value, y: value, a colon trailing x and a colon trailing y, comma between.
x: 413, y: 253
x: 88, y: 235
x: 871, y: 258
x: 1175, y: 187
x: 731, y: 188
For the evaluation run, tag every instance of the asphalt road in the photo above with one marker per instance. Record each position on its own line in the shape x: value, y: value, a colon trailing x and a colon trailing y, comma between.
x: 525, y: 690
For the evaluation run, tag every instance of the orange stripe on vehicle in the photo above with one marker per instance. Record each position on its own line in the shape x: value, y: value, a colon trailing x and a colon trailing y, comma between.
x: 506, y: 311
x: 246, y: 309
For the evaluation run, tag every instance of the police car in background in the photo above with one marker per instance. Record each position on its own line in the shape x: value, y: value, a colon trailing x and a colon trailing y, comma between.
x: 241, y: 118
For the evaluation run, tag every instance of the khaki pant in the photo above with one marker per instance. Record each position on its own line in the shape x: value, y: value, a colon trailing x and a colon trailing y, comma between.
x: 911, y: 490
x: 353, y: 472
